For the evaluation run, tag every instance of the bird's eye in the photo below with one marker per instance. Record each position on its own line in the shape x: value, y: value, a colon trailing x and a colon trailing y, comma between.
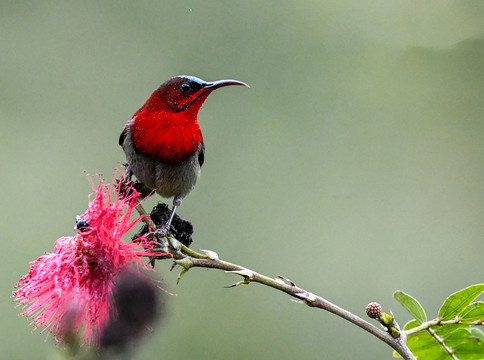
x: 185, y: 87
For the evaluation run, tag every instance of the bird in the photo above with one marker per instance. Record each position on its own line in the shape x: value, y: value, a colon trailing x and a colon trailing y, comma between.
x: 163, y: 142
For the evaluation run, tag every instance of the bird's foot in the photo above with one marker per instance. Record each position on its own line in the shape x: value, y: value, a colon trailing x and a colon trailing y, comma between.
x: 162, y: 231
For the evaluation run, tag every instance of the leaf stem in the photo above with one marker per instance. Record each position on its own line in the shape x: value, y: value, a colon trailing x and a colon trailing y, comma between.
x: 441, y: 342
x: 437, y: 322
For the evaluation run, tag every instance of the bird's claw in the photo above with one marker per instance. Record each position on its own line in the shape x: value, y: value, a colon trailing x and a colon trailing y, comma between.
x: 162, y: 231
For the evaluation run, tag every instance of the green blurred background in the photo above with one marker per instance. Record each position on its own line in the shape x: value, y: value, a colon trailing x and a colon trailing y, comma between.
x: 353, y: 165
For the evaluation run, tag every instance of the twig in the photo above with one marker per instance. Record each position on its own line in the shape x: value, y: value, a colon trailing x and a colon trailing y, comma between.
x: 187, y: 258
x: 287, y: 286
x: 437, y: 322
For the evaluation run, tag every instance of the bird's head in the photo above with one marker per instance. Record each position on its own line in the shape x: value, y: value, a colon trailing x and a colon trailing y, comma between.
x: 187, y: 93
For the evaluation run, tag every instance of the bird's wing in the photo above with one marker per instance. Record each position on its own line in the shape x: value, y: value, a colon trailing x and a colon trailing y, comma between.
x: 201, y: 154
x: 124, y: 133
x: 122, y: 136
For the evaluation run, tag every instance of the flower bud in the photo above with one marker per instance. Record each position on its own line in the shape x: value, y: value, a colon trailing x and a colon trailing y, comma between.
x: 373, y: 310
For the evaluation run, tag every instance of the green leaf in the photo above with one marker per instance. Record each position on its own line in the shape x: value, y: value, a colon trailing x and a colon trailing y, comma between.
x: 477, y: 334
x: 458, y: 334
x: 412, y: 324
x: 421, y: 340
x: 458, y: 301
x: 435, y: 354
x: 444, y: 330
x: 424, y: 346
x: 457, y: 337
x: 473, y: 349
x: 473, y: 312
x: 411, y: 304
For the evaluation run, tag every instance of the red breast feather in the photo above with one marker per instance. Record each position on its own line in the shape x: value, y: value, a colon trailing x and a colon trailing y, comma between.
x: 163, y: 136
x: 170, y: 136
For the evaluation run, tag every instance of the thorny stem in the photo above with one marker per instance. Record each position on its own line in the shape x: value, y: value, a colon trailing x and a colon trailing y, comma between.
x: 310, y: 299
x: 188, y: 258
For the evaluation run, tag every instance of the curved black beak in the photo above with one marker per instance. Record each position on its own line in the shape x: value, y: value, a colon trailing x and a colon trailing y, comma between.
x: 221, y: 83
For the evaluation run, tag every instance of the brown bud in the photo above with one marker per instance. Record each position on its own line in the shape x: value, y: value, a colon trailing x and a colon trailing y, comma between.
x: 373, y: 310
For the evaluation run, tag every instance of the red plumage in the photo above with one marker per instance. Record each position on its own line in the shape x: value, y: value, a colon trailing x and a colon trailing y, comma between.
x: 170, y: 137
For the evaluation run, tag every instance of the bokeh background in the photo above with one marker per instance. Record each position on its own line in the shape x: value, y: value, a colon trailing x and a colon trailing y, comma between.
x: 353, y: 165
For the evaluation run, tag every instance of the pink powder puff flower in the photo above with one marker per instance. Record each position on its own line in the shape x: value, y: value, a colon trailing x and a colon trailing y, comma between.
x: 69, y: 291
